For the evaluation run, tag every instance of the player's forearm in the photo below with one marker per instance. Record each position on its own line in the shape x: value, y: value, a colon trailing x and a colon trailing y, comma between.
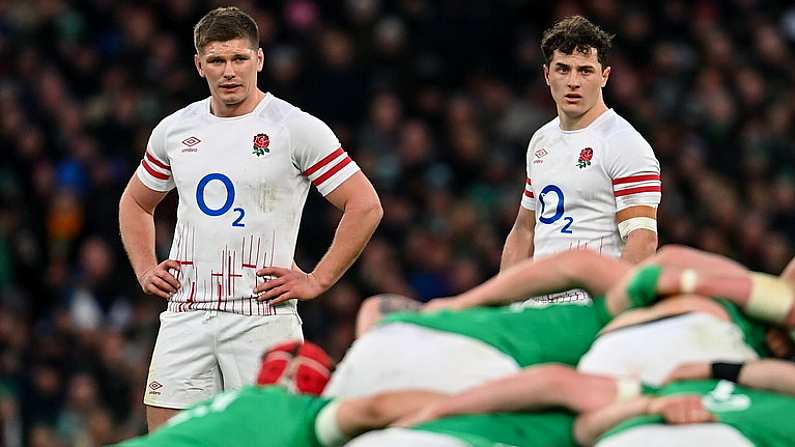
x: 640, y: 245
x: 531, y: 389
x: 518, y: 247
x: 359, y: 221
x: 137, y: 228
x: 590, y: 426
x: 358, y: 415
x: 769, y: 374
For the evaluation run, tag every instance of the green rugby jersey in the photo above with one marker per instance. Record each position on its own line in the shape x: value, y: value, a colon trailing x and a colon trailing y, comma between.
x: 530, y: 335
x: 250, y: 416
x: 541, y: 429
x: 764, y: 417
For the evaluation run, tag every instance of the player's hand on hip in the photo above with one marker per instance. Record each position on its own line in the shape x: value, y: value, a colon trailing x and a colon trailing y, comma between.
x: 689, y: 371
x: 159, y: 281
x: 283, y: 284
x: 681, y: 409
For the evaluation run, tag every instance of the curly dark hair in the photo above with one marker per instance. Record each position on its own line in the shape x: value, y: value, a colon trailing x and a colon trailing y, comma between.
x: 222, y: 24
x: 576, y: 33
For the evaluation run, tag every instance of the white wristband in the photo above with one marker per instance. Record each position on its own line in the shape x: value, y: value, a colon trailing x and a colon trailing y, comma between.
x: 327, y: 429
x: 627, y: 389
x: 636, y: 223
x: 688, y: 281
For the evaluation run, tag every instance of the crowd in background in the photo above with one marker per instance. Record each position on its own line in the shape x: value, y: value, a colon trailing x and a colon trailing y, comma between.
x: 436, y: 101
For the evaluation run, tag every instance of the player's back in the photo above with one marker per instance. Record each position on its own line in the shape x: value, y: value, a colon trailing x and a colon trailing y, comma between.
x: 530, y: 335
x: 267, y: 416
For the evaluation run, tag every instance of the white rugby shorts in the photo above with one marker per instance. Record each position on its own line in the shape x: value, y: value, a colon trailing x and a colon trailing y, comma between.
x: 402, y: 437
x: 201, y: 353
x: 659, y: 435
x: 650, y: 351
x: 399, y: 356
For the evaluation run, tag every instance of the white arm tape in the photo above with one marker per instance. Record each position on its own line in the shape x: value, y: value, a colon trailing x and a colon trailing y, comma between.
x: 627, y: 388
x: 636, y: 223
x: 688, y: 281
x: 327, y: 429
x: 771, y: 298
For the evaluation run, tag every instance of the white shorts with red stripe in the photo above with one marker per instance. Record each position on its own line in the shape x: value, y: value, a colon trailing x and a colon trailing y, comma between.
x: 201, y: 353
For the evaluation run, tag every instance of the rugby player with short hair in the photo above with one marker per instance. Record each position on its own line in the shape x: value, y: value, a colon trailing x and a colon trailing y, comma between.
x: 592, y: 179
x: 242, y: 162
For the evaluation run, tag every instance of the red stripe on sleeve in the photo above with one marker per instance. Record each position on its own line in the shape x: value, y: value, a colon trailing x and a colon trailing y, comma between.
x: 636, y: 178
x: 529, y: 182
x: 640, y: 189
x: 157, y: 162
x: 326, y: 160
x: 332, y: 171
x: 152, y: 172
x: 529, y: 194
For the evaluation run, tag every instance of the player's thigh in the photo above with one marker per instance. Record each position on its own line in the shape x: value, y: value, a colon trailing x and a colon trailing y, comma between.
x: 183, y: 370
x: 157, y: 416
x: 401, y: 437
x: 243, y: 339
x: 657, y: 435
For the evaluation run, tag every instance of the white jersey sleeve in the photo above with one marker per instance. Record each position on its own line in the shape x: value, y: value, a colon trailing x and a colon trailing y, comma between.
x: 634, y: 171
x: 317, y: 153
x: 155, y: 168
x: 528, y: 196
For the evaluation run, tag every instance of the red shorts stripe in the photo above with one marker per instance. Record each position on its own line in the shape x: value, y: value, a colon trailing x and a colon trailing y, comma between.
x: 529, y: 194
x: 332, y: 171
x: 640, y: 189
x: 154, y: 173
x: 326, y: 160
x: 636, y: 178
x: 157, y: 162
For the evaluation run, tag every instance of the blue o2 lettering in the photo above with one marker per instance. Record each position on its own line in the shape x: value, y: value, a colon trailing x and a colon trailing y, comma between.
x: 560, y: 209
x: 230, y: 198
x: 241, y: 212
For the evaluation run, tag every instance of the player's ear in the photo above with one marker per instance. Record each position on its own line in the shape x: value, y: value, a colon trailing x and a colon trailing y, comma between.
x: 260, y: 59
x: 198, y: 62
x: 605, y: 75
x: 546, y: 73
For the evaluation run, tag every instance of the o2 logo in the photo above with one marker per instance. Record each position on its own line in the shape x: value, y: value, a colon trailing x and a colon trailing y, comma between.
x: 230, y: 198
x: 559, y: 209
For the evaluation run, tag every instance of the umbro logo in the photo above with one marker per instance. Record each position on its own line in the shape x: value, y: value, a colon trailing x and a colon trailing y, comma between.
x: 190, y: 142
x: 541, y: 153
x: 155, y: 385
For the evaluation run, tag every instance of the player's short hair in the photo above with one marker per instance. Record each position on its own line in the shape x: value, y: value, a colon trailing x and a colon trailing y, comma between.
x: 576, y: 33
x: 223, y: 24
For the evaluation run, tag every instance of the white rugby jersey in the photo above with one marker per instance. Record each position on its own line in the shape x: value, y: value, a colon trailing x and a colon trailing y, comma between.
x: 242, y: 183
x: 577, y: 181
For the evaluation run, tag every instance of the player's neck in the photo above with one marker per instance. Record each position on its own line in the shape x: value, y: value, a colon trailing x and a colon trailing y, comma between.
x: 222, y: 110
x: 569, y: 123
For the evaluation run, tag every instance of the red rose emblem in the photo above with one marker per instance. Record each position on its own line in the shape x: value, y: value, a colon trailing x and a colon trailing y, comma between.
x: 261, y: 141
x: 585, y: 158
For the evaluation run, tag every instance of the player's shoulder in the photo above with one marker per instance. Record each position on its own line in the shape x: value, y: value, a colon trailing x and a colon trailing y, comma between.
x: 612, y: 127
x: 550, y: 129
x: 186, y: 116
